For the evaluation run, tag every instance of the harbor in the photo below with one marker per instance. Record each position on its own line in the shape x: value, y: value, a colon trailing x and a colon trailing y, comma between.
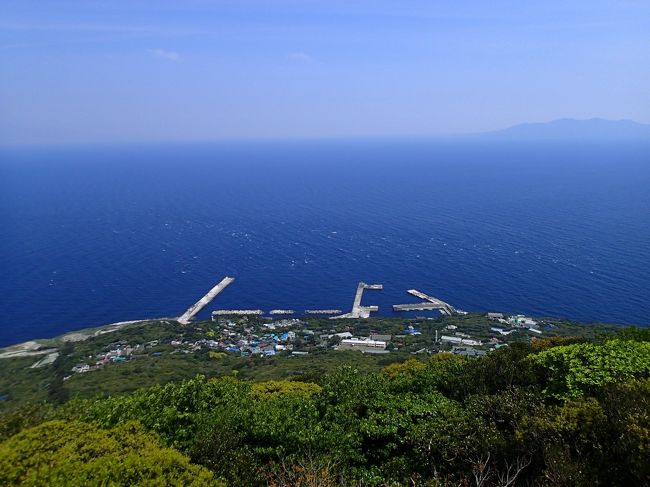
x: 358, y: 311
x: 268, y: 333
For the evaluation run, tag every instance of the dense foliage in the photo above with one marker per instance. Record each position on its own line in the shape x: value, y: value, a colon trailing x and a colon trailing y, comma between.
x: 75, y: 453
x: 577, y: 369
x: 563, y: 412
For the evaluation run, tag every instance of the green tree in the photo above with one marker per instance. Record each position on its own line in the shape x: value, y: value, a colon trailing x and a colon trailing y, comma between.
x: 581, y: 368
x: 80, y: 454
x: 627, y: 432
x: 276, y: 388
x: 13, y: 421
x: 173, y: 411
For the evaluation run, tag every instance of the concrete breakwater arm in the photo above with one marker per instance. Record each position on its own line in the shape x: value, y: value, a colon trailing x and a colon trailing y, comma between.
x: 429, y: 303
x: 359, y: 311
x: 201, y: 303
x: 237, y: 312
x: 281, y: 312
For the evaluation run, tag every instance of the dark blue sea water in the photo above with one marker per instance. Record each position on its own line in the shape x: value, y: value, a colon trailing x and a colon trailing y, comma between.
x: 104, y: 234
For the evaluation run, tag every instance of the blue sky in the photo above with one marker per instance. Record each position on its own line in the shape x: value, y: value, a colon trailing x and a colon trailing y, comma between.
x: 129, y: 71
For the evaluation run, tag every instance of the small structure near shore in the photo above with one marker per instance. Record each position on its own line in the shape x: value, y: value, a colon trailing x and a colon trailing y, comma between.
x: 281, y: 312
x: 322, y: 311
x: 429, y: 303
x: 363, y: 345
x: 359, y: 311
x: 237, y: 312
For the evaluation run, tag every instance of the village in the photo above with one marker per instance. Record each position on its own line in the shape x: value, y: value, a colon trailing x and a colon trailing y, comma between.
x: 251, y: 334
x: 256, y: 337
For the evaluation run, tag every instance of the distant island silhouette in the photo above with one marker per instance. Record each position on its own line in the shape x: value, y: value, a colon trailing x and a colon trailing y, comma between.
x: 568, y: 128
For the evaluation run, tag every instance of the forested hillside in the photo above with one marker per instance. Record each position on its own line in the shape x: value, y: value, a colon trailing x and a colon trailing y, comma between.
x: 558, y: 412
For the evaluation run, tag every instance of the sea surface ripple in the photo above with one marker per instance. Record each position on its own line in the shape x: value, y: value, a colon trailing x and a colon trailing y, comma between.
x: 93, y: 235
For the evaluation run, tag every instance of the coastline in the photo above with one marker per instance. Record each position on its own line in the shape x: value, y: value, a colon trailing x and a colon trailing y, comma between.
x: 36, y: 346
x: 41, y: 346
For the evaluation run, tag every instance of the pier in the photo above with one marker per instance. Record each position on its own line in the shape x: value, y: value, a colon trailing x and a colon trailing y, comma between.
x: 237, y: 312
x: 429, y: 303
x: 323, y: 311
x: 359, y: 311
x: 416, y: 307
x: 201, y: 303
x: 281, y: 312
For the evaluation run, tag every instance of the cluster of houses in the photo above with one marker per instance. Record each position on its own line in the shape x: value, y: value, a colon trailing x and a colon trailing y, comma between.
x: 278, y: 336
x: 514, y: 321
x: 262, y: 340
x: 245, y: 338
x: 283, y: 335
x: 462, y: 343
x: 117, y: 352
x: 346, y: 341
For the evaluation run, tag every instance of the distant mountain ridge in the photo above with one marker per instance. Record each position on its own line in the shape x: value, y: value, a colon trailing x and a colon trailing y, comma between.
x: 568, y: 128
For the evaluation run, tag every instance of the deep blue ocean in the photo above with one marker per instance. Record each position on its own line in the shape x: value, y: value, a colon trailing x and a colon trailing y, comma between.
x: 94, y: 235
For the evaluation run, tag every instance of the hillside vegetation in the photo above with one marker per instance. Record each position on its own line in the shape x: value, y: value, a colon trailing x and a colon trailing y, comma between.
x: 557, y: 412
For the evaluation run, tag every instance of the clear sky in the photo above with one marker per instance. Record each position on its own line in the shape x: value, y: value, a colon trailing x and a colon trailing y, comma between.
x: 136, y: 70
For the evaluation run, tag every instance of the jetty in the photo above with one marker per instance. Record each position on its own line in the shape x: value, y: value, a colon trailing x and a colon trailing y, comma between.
x: 429, y: 303
x: 323, y: 311
x: 359, y: 311
x: 237, y: 312
x: 281, y: 312
x: 186, y: 317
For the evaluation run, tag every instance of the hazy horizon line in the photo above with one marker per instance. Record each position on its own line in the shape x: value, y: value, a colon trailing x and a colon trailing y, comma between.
x: 305, y: 138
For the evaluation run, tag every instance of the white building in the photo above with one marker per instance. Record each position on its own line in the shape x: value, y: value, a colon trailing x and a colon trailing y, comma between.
x: 501, y: 331
x: 450, y: 339
x: 362, y: 343
x: 522, y: 321
x: 459, y: 340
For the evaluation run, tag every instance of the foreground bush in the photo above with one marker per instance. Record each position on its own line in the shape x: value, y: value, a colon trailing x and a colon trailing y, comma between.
x: 582, y: 368
x: 75, y: 453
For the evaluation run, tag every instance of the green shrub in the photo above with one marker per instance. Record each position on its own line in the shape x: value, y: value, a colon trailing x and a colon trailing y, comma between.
x: 80, y: 454
x: 581, y: 368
